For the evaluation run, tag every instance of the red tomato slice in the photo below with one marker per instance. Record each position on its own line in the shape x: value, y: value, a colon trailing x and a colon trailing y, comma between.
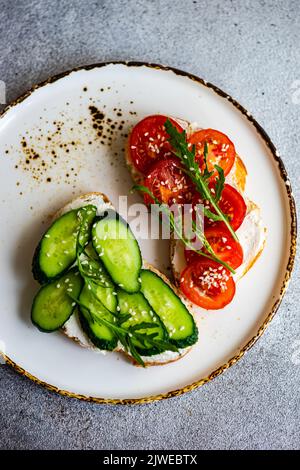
x: 168, y: 183
x: 148, y: 142
x: 231, y: 203
x: 221, y: 150
x: 224, y: 246
x: 207, y: 284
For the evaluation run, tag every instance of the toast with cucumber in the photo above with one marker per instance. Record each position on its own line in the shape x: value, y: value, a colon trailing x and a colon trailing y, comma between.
x: 97, y: 289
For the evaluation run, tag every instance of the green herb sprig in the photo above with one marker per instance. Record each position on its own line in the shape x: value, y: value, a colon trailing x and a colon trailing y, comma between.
x: 127, y: 336
x: 187, y: 157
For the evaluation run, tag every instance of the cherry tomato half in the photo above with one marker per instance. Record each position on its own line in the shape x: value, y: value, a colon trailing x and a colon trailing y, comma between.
x: 207, y: 284
x: 221, y: 150
x: 168, y: 183
x: 223, y: 245
x: 148, y: 142
x: 231, y: 204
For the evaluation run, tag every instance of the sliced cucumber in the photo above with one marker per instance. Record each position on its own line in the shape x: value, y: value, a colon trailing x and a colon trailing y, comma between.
x: 94, y: 269
x: 173, y: 313
x: 140, y: 310
x: 56, y: 251
x: 119, y: 251
x: 101, y: 335
x: 52, y: 306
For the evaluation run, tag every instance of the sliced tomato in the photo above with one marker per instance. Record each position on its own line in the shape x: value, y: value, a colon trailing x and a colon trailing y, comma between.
x: 148, y: 142
x: 168, y: 183
x: 207, y: 284
x: 223, y: 245
x: 221, y: 150
x: 231, y: 204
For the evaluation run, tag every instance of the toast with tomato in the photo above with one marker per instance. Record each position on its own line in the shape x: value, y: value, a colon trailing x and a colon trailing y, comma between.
x: 154, y: 164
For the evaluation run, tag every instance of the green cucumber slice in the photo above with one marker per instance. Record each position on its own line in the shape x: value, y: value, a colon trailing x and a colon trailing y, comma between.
x: 137, y: 306
x: 52, y: 306
x: 118, y: 249
x: 178, y: 321
x: 100, y: 335
x: 95, y: 271
x: 56, y: 251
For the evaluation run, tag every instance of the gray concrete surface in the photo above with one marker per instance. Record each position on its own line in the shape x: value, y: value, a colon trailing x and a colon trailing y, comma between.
x: 252, y: 50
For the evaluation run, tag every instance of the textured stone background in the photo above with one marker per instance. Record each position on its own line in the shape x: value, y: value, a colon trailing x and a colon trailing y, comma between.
x: 251, y: 49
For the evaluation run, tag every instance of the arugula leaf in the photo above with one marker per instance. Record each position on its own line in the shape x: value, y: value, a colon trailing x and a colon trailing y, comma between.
x: 211, y: 215
x: 187, y: 157
x: 86, y: 216
x: 206, y: 174
x: 220, y: 181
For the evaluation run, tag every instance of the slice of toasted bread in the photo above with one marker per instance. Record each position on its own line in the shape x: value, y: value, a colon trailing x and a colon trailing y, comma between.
x: 252, y: 234
x: 72, y: 328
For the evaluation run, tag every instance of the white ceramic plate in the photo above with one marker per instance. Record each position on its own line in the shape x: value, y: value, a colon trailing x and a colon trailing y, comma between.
x: 50, y: 152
